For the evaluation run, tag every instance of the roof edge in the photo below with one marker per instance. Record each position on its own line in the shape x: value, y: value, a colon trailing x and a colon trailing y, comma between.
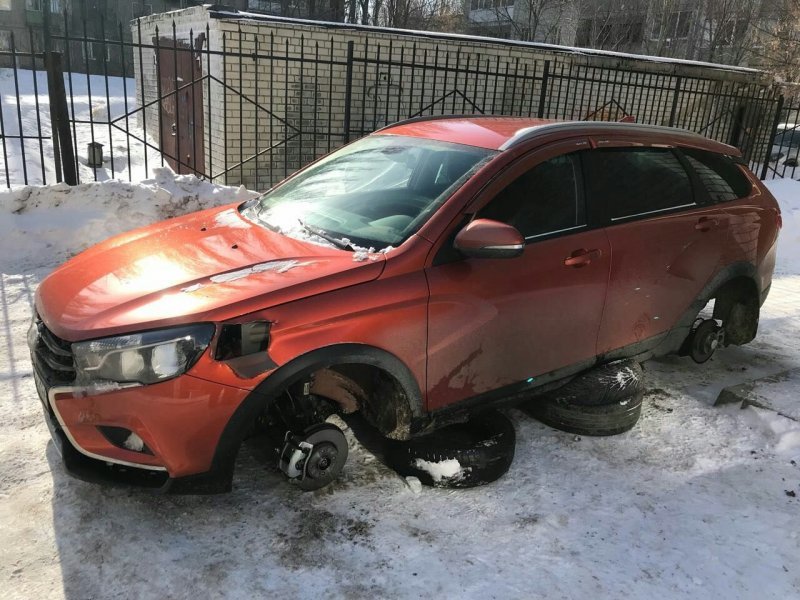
x: 222, y: 12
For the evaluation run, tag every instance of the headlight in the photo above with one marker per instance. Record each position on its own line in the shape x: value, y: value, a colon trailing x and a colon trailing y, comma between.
x: 147, y: 357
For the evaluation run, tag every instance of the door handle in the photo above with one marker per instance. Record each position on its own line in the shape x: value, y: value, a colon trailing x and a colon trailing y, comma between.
x: 581, y: 258
x: 706, y: 224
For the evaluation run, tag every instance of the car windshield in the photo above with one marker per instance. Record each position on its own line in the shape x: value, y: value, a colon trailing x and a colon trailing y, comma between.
x: 373, y: 193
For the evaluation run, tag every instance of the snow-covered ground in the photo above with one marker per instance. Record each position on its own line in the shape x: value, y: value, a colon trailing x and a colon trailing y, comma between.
x: 23, y: 110
x: 694, y: 502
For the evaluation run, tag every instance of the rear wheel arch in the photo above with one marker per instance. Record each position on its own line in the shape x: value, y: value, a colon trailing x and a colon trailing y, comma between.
x: 405, y: 402
x: 736, y: 304
x: 737, y: 299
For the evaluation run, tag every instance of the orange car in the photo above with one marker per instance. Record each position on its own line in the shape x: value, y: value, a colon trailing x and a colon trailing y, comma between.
x: 422, y: 273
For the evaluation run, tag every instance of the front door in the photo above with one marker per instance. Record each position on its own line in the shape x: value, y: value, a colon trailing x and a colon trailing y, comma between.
x: 498, y: 325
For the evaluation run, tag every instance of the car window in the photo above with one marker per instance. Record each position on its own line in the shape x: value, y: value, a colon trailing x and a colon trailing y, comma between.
x: 630, y: 182
x: 719, y: 175
x: 788, y: 138
x: 544, y: 200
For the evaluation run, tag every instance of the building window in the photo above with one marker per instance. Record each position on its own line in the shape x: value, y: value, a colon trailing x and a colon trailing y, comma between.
x: 733, y: 31
x: 94, y: 50
x: 38, y: 5
x: 5, y: 40
x: 674, y: 26
x: 5, y: 4
x: 270, y: 6
x: 609, y: 33
x: 490, y: 4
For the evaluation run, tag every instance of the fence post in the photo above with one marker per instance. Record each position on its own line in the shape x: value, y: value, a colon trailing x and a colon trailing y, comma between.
x: 54, y: 132
x: 543, y: 91
x: 674, y: 110
x: 348, y: 91
x: 60, y: 116
x: 775, y: 122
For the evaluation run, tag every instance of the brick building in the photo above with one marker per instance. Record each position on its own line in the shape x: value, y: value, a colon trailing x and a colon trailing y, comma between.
x: 259, y: 96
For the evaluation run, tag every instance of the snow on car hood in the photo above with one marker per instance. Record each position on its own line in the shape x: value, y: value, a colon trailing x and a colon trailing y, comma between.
x: 207, y: 266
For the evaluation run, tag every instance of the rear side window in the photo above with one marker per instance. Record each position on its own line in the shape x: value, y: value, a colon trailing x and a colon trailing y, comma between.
x: 631, y: 182
x: 720, y: 176
x: 547, y: 199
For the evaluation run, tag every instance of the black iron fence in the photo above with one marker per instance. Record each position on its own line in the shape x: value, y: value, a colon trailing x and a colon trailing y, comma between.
x: 257, y: 106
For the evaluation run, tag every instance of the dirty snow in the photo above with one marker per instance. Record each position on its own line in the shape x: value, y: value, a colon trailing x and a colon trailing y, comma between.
x: 696, y: 501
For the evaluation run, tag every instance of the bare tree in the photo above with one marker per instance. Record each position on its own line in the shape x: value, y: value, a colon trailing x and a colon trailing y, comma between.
x: 611, y: 25
x: 671, y: 28
x: 780, y: 35
x: 727, y: 32
x: 437, y: 15
x: 528, y: 20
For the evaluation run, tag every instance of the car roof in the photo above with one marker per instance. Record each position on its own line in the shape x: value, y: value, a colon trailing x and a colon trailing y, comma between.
x: 503, y: 133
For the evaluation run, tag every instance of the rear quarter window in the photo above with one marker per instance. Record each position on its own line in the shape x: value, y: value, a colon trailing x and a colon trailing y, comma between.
x: 720, y: 175
x: 636, y: 182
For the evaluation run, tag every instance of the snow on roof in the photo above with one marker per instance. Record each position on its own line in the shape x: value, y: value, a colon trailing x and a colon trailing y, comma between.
x: 234, y: 14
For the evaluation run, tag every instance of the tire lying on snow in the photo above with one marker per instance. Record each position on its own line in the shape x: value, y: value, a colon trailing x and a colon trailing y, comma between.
x: 606, y: 400
x: 457, y: 456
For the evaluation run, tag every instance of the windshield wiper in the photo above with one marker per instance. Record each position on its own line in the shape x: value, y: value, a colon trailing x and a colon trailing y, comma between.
x: 344, y: 245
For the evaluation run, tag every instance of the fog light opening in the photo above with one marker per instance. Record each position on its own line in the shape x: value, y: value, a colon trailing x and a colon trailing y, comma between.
x: 125, y: 439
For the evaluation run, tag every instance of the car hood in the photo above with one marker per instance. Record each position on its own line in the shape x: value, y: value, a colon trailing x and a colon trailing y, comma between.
x: 208, y: 266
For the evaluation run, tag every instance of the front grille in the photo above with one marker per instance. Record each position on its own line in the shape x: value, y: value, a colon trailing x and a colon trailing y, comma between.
x: 52, y: 355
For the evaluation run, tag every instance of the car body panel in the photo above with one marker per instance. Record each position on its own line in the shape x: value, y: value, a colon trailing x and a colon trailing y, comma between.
x: 180, y: 420
x: 658, y: 267
x: 210, y: 265
x: 487, y: 132
x: 496, y: 322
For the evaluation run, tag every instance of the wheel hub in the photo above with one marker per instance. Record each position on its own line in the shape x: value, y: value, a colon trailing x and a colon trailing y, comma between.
x: 314, y: 458
x: 705, y: 340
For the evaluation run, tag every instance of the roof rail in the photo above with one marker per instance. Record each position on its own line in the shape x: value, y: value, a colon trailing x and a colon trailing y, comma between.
x: 524, y: 135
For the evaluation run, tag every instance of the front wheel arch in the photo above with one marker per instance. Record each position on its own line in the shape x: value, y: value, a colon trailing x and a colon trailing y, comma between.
x: 304, y: 366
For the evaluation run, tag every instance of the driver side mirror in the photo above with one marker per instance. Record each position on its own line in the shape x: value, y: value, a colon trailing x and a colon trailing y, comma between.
x: 485, y: 238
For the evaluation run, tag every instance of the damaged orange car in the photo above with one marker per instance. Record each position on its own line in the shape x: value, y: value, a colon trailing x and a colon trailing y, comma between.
x: 416, y: 276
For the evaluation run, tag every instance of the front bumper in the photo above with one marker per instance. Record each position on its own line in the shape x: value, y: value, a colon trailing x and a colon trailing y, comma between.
x: 180, y: 421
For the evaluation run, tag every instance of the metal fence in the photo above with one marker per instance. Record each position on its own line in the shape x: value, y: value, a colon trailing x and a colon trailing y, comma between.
x: 255, y: 108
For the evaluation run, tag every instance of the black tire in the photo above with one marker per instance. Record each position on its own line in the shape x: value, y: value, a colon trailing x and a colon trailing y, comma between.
x: 593, y: 420
x: 606, y: 400
x: 483, y: 447
x: 610, y: 383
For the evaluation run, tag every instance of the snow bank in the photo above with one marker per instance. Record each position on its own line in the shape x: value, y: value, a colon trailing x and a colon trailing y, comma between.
x: 44, y: 225
x: 787, y: 193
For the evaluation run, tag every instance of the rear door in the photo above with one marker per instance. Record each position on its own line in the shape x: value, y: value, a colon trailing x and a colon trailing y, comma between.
x: 498, y: 325
x: 666, y: 244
